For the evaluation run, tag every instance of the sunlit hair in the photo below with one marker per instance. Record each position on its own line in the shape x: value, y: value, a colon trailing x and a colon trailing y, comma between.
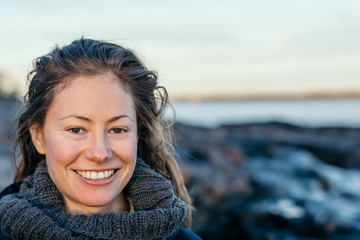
x: 86, y: 57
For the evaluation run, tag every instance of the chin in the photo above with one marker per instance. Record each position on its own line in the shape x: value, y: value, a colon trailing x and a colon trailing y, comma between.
x: 97, y: 201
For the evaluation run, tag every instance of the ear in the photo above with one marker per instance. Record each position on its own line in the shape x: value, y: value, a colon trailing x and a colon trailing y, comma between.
x: 37, y: 138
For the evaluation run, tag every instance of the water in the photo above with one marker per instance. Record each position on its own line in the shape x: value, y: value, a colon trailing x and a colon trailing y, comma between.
x: 335, y: 112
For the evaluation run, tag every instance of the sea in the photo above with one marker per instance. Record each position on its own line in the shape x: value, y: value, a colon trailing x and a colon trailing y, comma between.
x: 307, y: 112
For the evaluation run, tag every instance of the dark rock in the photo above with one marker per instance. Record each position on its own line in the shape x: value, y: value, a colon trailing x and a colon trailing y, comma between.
x: 272, y: 181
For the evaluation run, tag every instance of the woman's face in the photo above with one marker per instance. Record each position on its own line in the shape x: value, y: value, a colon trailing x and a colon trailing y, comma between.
x: 90, y: 141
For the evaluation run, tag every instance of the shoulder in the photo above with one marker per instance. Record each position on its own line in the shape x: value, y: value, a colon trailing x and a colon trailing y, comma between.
x: 12, y: 188
x: 183, y: 234
x: 3, y: 236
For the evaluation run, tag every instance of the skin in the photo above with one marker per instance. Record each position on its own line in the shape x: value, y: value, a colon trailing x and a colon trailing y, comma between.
x: 91, y: 125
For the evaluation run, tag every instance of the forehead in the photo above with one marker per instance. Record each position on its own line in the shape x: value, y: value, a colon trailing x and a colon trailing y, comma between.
x: 104, y: 93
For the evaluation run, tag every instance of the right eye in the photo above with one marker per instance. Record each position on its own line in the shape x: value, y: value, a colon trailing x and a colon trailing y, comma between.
x: 76, y: 130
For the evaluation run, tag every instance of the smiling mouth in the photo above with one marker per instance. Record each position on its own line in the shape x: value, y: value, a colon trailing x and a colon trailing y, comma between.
x: 96, y: 174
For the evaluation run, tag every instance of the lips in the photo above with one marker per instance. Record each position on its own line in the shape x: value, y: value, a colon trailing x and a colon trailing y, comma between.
x: 94, y: 175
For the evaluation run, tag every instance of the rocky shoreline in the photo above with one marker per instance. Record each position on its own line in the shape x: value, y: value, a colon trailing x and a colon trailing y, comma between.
x: 259, y: 180
x: 272, y: 181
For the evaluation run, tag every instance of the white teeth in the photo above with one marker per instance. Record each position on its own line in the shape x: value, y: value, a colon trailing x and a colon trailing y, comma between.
x: 93, y: 175
x: 100, y: 175
x: 96, y: 175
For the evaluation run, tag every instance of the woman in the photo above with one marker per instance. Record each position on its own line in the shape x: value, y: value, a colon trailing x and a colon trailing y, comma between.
x: 96, y: 157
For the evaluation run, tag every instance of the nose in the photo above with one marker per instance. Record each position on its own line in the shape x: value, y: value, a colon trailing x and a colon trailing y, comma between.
x: 98, y: 150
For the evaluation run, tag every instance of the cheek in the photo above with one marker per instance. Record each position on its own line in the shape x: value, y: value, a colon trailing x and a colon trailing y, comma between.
x: 127, y: 151
x: 61, y: 152
x: 59, y: 155
x: 132, y: 151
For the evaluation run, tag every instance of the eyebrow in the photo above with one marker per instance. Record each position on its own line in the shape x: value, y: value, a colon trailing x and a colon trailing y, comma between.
x: 113, y: 119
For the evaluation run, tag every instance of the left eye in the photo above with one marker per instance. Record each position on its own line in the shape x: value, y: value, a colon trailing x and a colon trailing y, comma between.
x: 76, y: 130
x: 117, y: 130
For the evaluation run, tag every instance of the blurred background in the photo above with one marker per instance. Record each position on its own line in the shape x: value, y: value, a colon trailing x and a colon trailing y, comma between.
x: 266, y: 95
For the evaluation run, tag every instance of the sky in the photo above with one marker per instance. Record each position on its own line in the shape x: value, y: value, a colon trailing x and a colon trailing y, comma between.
x: 200, y: 47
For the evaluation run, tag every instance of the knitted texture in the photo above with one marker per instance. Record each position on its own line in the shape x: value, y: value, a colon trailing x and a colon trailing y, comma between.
x: 38, y: 211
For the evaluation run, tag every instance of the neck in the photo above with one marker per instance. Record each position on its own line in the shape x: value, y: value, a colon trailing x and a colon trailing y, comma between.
x: 118, y: 205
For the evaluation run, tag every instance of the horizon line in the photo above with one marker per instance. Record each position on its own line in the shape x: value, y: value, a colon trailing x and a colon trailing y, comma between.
x: 263, y: 96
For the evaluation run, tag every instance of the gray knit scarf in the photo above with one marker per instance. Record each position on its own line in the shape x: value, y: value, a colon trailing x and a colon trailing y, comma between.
x: 38, y: 212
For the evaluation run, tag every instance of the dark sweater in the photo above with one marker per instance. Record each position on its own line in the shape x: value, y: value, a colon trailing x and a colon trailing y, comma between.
x: 180, y: 234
